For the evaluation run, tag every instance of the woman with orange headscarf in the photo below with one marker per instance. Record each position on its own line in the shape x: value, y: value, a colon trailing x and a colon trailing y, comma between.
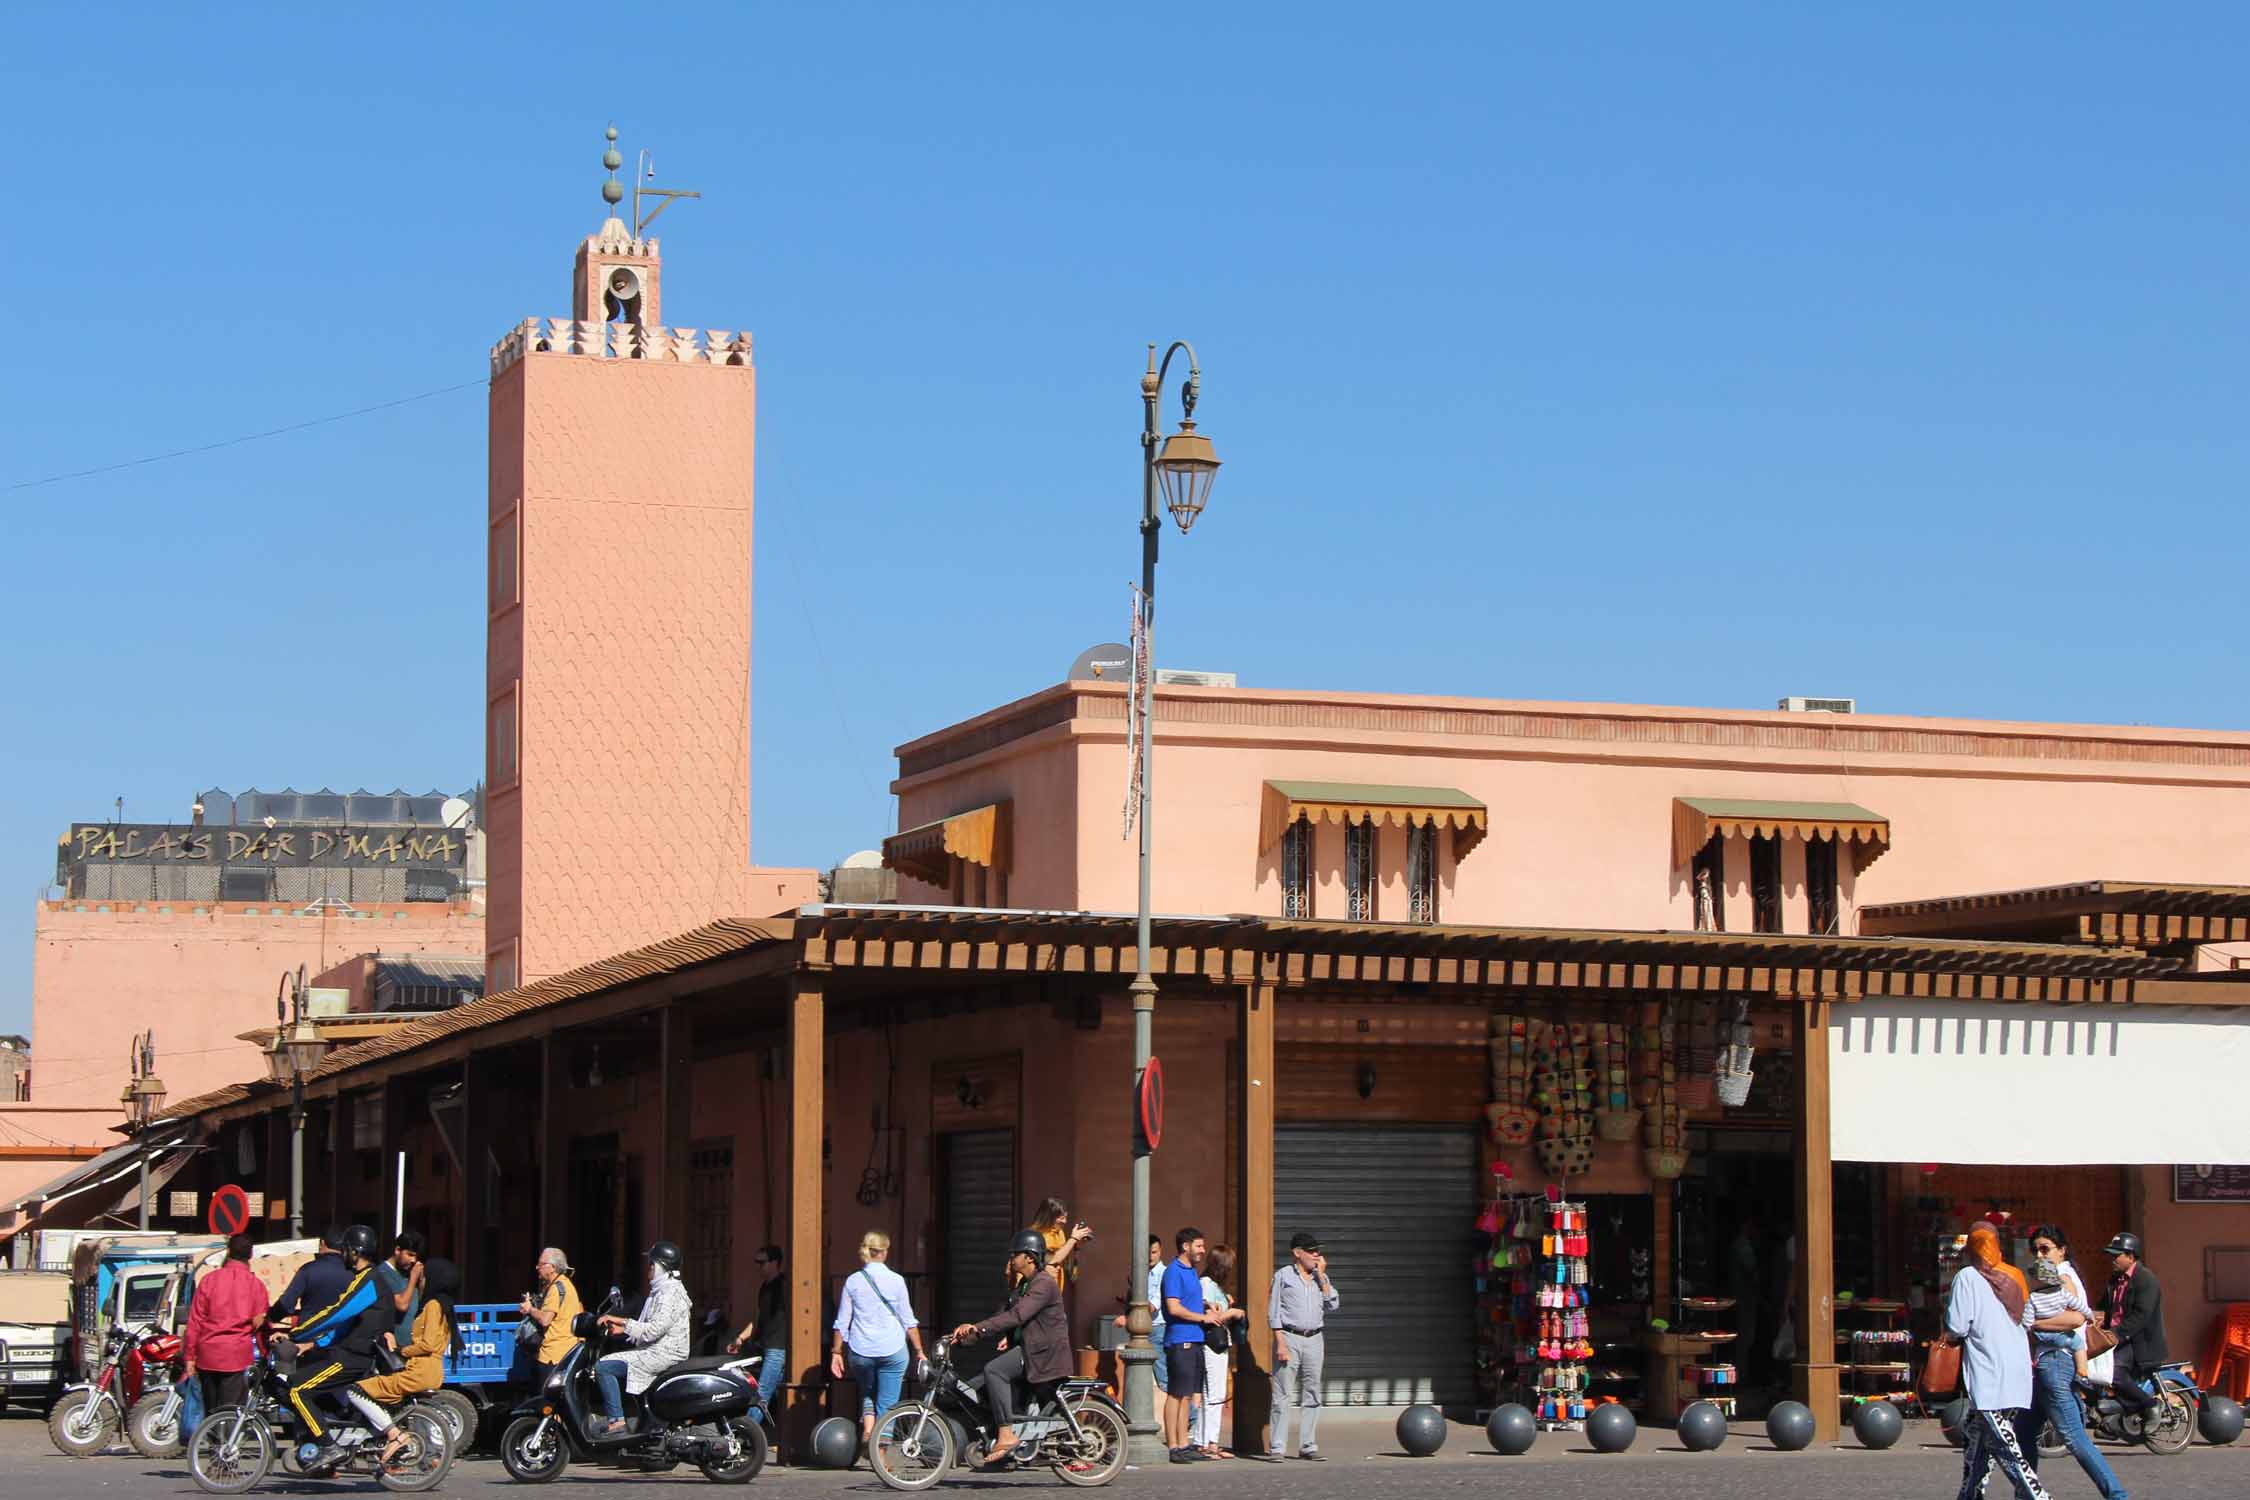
x: 1984, y: 1314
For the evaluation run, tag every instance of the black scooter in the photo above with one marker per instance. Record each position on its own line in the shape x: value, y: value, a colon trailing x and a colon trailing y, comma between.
x: 696, y: 1412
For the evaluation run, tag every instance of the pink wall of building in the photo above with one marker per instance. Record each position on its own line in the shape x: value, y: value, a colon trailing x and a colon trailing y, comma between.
x: 1580, y: 798
x: 199, y: 977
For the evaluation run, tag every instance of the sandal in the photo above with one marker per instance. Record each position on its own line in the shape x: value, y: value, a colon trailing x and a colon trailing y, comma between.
x: 393, y: 1445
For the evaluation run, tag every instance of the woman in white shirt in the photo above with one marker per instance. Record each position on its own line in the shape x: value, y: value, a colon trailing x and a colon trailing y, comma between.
x: 875, y: 1325
x: 1218, y: 1346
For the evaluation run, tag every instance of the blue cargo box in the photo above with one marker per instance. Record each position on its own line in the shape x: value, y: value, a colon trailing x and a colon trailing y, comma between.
x: 488, y: 1342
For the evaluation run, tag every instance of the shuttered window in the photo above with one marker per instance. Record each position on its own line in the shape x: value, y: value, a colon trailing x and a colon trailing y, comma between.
x: 977, y: 1214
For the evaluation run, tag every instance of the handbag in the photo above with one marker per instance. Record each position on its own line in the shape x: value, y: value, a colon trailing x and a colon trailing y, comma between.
x: 1941, y: 1372
x: 2099, y: 1340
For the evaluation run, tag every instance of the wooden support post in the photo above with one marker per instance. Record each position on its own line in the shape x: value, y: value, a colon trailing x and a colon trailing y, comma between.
x: 479, y: 1236
x: 808, y: 1347
x: 554, y: 1138
x: 339, y: 1161
x: 1814, y: 1377
x: 396, y: 1095
x: 1253, y: 1373
x: 676, y: 1099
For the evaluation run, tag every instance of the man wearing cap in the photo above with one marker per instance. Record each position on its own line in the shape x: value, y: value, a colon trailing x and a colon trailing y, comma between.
x: 1297, y: 1310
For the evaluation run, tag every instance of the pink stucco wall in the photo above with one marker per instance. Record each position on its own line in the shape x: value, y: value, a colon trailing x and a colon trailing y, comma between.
x: 198, y: 977
x: 629, y: 653
x: 1581, y: 799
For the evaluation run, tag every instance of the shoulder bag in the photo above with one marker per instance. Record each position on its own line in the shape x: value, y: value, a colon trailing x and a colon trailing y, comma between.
x: 2099, y: 1340
x: 1941, y: 1371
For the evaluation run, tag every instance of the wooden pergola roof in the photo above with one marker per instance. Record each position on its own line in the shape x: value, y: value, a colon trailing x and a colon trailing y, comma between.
x: 865, y: 952
x: 2106, y: 913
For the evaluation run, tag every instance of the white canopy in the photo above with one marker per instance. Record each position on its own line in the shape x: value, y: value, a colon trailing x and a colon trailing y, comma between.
x: 2039, y: 1085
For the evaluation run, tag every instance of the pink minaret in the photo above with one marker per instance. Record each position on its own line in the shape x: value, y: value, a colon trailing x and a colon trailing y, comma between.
x: 617, y: 655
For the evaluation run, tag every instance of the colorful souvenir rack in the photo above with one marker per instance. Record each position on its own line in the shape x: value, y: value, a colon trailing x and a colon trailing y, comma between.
x: 1508, y: 1233
x: 1716, y: 1376
x: 1563, y: 1349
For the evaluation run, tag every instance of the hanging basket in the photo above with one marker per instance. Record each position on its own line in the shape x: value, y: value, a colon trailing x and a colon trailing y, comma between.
x: 1734, y: 1088
x: 1566, y: 1156
x: 1616, y: 1124
x: 1695, y: 1092
x: 1665, y: 1162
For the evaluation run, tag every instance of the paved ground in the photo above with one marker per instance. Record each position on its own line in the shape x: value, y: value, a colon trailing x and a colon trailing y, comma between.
x: 1364, y: 1465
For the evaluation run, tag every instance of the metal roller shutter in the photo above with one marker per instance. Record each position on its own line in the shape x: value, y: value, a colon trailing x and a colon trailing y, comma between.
x: 978, y: 1170
x: 1396, y: 1210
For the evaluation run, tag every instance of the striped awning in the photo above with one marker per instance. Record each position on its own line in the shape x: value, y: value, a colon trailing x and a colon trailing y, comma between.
x: 979, y: 836
x: 1349, y: 802
x: 1697, y: 820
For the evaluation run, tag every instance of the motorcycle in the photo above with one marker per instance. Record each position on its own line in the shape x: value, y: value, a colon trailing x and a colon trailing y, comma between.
x: 86, y: 1418
x: 695, y: 1412
x: 2166, y: 1429
x: 237, y: 1445
x: 1079, y: 1431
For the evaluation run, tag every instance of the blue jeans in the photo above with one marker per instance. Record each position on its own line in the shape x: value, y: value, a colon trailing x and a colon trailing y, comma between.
x: 1156, y: 1337
x: 610, y: 1376
x: 2055, y: 1401
x: 771, y: 1376
x: 878, y: 1381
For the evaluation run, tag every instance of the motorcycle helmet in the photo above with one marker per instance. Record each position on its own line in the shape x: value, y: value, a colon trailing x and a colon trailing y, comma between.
x: 2124, y: 1242
x: 1029, y: 1242
x: 666, y: 1254
x: 359, y: 1240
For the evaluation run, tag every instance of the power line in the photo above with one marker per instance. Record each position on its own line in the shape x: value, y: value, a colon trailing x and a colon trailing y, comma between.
x: 248, y: 437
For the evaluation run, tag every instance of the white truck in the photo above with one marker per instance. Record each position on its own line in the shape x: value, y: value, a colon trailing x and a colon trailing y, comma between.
x: 35, y: 1338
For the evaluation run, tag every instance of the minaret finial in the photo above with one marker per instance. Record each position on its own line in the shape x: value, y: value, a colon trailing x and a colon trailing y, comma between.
x: 613, y: 191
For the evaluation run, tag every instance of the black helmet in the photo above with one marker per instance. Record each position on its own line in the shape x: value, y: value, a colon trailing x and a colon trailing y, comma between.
x: 666, y: 1254
x: 1029, y: 1242
x: 2124, y: 1242
x: 358, y: 1240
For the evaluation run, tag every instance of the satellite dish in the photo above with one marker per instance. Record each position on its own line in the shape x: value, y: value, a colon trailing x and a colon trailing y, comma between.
x: 1108, y: 662
x: 865, y: 859
x: 454, y: 813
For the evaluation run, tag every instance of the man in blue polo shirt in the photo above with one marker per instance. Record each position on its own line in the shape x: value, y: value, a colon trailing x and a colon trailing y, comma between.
x: 1184, y: 1322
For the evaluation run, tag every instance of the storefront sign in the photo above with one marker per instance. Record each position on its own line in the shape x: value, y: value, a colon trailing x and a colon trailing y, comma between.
x: 327, y: 846
x: 2209, y: 1184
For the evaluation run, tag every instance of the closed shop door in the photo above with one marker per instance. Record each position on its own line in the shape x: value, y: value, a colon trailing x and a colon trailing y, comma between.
x: 977, y: 1198
x: 1395, y: 1208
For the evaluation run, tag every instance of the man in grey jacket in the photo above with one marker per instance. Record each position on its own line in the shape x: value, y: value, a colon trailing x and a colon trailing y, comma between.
x: 656, y: 1340
x: 1297, y: 1310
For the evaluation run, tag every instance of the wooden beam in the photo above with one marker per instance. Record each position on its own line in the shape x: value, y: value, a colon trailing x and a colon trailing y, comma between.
x: 554, y: 1139
x: 1253, y: 1373
x: 479, y: 1240
x: 675, y: 1095
x: 807, y: 1253
x: 1815, y: 1378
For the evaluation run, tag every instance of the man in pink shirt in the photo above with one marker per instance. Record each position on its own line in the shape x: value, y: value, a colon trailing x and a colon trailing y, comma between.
x: 222, y: 1329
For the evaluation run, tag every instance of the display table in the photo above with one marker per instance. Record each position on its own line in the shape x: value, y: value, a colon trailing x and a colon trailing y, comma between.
x: 1676, y: 1366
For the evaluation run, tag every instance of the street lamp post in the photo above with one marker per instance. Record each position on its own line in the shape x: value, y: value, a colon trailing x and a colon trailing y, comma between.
x: 296, y: 1048
x: 142, y: 1098
x: 1183, y: 466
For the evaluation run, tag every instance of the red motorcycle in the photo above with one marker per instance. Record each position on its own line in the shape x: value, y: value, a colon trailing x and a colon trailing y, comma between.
x: 134, y: 1363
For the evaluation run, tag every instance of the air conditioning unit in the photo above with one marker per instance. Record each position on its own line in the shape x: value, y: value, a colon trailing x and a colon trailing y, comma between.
x: 1173, y: 677
x: 1818, y: 705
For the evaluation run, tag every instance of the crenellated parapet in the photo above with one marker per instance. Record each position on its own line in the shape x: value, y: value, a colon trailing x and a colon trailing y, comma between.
x: 621, y: 340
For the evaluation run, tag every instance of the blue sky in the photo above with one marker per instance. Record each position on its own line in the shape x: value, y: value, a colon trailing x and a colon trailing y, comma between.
x: 1659, y: 354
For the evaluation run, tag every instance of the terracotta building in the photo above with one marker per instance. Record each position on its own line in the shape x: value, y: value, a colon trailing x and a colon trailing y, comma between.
x: 617, y: 742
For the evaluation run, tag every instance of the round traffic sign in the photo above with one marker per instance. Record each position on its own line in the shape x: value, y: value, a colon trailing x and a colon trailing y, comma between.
x: 1152, y: 1104
x: 230, y: 1211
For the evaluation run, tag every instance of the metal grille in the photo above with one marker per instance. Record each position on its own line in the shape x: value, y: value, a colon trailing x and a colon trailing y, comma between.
x: 1422, y: 873
x: 977, y: 1213
x: 1395, y: 1208
x: 1820, y: 884
x: 1296, y: 870
x: 710, y: 1247
x: 1765, y: 885
x: 1359, y: 872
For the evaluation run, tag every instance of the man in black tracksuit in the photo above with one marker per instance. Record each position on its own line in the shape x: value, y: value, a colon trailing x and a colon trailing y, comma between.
x: 2133, y: 1308
x: 335, y: 1344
